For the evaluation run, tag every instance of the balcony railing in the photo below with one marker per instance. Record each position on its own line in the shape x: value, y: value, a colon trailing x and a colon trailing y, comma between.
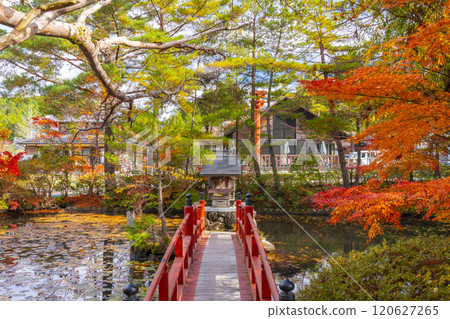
x: 284, y: 162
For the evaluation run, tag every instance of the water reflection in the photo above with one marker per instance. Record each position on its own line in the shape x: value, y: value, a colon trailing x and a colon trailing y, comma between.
x: 298, y: 257
x: 67, y: 256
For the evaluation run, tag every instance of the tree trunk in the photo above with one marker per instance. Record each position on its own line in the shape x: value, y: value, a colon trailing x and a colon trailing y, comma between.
x: 342, y: 162
x: 437, y: 171
x: 160, y: 207
x: 188, y: 158
x: 358, y: 160
x: 253, y: 101
x: 110, y: 168
x: 237, y: 118
x: 273, y: 163
x: 335, y: 132
x: 160, y: 199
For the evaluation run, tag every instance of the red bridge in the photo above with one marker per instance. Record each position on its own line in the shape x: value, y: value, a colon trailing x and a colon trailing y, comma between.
x: 214, y: 265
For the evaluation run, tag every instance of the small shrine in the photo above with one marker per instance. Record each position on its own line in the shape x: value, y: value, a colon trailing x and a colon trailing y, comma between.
x: 222, y: 174
x: 220, y: 205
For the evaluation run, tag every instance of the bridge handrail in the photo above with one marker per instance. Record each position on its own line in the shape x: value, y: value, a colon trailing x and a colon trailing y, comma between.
x: 256, y: 259
x: 163, y: 264
x: 262, y: 253
x: 184, y: 241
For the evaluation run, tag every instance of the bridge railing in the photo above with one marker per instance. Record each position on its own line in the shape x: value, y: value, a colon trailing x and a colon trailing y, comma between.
x: 263, y: 282
x: 170, y: 279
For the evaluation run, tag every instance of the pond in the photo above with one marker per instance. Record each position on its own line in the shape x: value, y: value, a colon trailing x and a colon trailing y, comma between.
x: 85, y: 256
x: 68, y: 256
x: 298, y: 257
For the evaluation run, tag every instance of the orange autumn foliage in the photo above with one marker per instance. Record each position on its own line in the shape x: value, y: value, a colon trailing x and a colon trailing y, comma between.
x: 9, y: 167
x: 375, y: 204
x: 407, y: 93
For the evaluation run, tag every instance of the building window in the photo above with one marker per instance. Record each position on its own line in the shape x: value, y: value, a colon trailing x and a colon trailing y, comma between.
x: 284, y: 128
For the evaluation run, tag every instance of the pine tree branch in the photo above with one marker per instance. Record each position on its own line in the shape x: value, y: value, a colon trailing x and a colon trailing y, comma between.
x: 31, y: 23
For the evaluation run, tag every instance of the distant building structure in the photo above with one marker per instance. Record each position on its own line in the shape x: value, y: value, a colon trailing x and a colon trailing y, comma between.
x: 289, y: 139
x: 89, y: 145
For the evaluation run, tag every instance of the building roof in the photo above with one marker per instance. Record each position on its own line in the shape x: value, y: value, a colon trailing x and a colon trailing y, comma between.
x: 225, y: 164
x: 57, y: 140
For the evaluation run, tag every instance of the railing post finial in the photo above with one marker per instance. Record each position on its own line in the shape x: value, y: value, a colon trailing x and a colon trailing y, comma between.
x: 188, y: 200
x: 286, y: 293
x: 248, y: 199
x: 238, y: 196
x: 202, y: 196
x: 130, y: 292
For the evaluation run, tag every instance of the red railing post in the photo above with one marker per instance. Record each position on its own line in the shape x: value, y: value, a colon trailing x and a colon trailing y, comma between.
x: 179, y: 253
x: 248, y: 210
x: 189, y: 228
x: 194, y: 228
x: 202, y: 213
x: 238, y: 211
x: 265, y: 289
x: 254, y: 253
x: 164, y: 285
x: 188, y: 209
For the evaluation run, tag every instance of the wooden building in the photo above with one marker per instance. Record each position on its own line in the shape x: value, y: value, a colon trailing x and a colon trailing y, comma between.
x: 289, y: 139
x: 89, y: 145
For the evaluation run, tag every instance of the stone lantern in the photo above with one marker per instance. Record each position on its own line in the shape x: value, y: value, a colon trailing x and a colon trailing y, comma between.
x: 222, y: 174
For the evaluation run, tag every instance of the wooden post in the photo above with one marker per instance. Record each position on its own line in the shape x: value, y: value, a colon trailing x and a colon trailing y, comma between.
x: 248, y: 210
x: 188, y: 209
x: 258, y: 133
x: 254, y: 253
x: 179, y: 247
x: 202, y: 213
x: 247, y: 228
x: 194, y: 229
x: 164, y: 285
x: 238, y: 211
x: 259, y: 104
x: 189, y: 228
x: 265, y: 289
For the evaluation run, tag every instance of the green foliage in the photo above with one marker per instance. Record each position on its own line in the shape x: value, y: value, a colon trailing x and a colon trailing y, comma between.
x: 139, y: 233
x: 47, y: 172
x: 313, y: 171
x: 3, y: 205
x: 411, y: 269
x: 118, y: 199
x: 14, y: 114
x: 223, y: 103
x: 291, y: 195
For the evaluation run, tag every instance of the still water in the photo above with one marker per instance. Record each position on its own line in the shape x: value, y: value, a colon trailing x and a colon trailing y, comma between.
x: 80, y: 256
x: 67, y: 256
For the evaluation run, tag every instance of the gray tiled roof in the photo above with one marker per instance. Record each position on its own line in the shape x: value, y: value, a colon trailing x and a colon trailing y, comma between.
x: 223, y: 165
x: 57, y: 140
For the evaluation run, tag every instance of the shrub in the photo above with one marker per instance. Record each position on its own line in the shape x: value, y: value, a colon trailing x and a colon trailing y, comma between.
x: 139, y: 233
x: 291, y: 195
x: 411, y: 269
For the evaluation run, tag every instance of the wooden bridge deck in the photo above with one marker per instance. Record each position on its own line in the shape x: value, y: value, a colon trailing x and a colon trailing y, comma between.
x: 218, y: 271
x: 213, y: 265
